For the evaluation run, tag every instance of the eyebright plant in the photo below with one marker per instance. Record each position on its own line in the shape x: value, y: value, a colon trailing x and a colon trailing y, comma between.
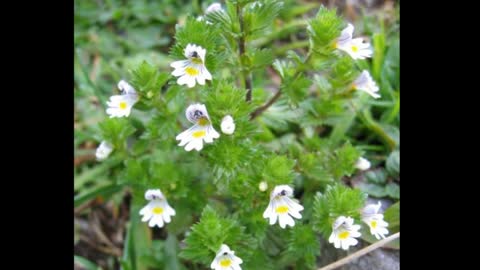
x: 272, y: 163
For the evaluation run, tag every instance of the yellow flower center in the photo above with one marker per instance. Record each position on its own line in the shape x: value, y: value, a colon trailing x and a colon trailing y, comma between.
x: 373, y: 224
x: 282, y: 209
x: 199, y: 134
x: 197, y: 60
x: 343, y: 235
x: 335, y: 45
x: 354, y: 48
x: 353, y: 86
x: 191, y: 71
x: 123, y: 105
x: 203, y: 121
x: 225, y: 262
x: 157, y: 210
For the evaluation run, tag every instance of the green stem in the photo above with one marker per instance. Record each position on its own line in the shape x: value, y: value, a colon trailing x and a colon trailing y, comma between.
x: 247, y: 77
x: 375, y: 127
x: 294, y: 45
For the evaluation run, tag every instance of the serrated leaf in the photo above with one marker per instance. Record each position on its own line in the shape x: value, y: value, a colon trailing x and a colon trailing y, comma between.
x: 324, y: 29
x: 258, y: 17
x: 337, y: 200
x: 261, y: 58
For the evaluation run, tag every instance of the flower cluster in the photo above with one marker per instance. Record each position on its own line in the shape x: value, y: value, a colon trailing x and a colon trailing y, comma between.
x: 344, y: 231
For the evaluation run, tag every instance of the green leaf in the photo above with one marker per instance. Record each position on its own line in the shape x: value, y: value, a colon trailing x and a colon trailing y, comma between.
x: 138, y: 241
x: 210, y: 233
x: 337, y: 200
x: 200, y: 34
x: 88, y: 175
x: 296, y: 88
x: 82, y: 262
x: 376, y: 177
x: 373, y: 189
x: 278, y: 170
x: 147, y: 80
x: 258, y: 17
x: 344, y: 163
x: 393, y: 163
x: 260, y: 58
x: 171, y: 250
x: 103, y: 191
x: 392, y: 216
x: 393, y: 190
x: 324, y: 29
x: 303, y: 245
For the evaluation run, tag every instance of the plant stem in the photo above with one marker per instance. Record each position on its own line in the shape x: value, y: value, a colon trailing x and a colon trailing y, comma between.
x: 361, y: 252
x: 265, y: 106
x: 241, y: 48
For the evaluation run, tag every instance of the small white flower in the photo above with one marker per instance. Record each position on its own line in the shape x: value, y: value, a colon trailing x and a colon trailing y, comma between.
x: 226, y: 260
x: 202, y: 130
x: 374, y: 220
x: 193, y: 69
x: 227, y: 125
x: 157, y: 211
x: 365, y: 83
x: 344, y: 233
x: 103, y: 150
x: 362, y: 164
x: 353, y: 46
x: 263, y: 186
x: 214, y: 7
x: 121, y: 105
x: 281, y: 206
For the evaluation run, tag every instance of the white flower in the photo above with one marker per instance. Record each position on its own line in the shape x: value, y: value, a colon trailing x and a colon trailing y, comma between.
x: 362, y: 164
x: 121, y: 105
x: 365, y: 83
x: 263, y: 186
x: 193, y: 69
x: 157, y: 211
x: 227, y: 125
x: 103, y: 150
x: 214, y: 7
x: 283, y: 207
x: 344, y: 233
x: 353, y: 46
x: 374, y: 220
x: 226, y: 260
x: 203, y: 130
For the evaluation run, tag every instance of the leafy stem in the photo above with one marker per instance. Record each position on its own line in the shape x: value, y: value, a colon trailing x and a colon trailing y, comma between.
x: 277, y: 95
x: 247, y: 77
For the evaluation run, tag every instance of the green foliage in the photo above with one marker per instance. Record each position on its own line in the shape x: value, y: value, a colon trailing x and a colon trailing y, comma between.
x: 201, y: 34
x: 303, y: 247
x: 383, y: 182
x: 116, y: 131
x: 393, y: 163
x: 324, y: 29
x: 337, y: 200
x: 258, y: 17
x: 345, y: 159
x: 206, y: 237
x: 148, y: 82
